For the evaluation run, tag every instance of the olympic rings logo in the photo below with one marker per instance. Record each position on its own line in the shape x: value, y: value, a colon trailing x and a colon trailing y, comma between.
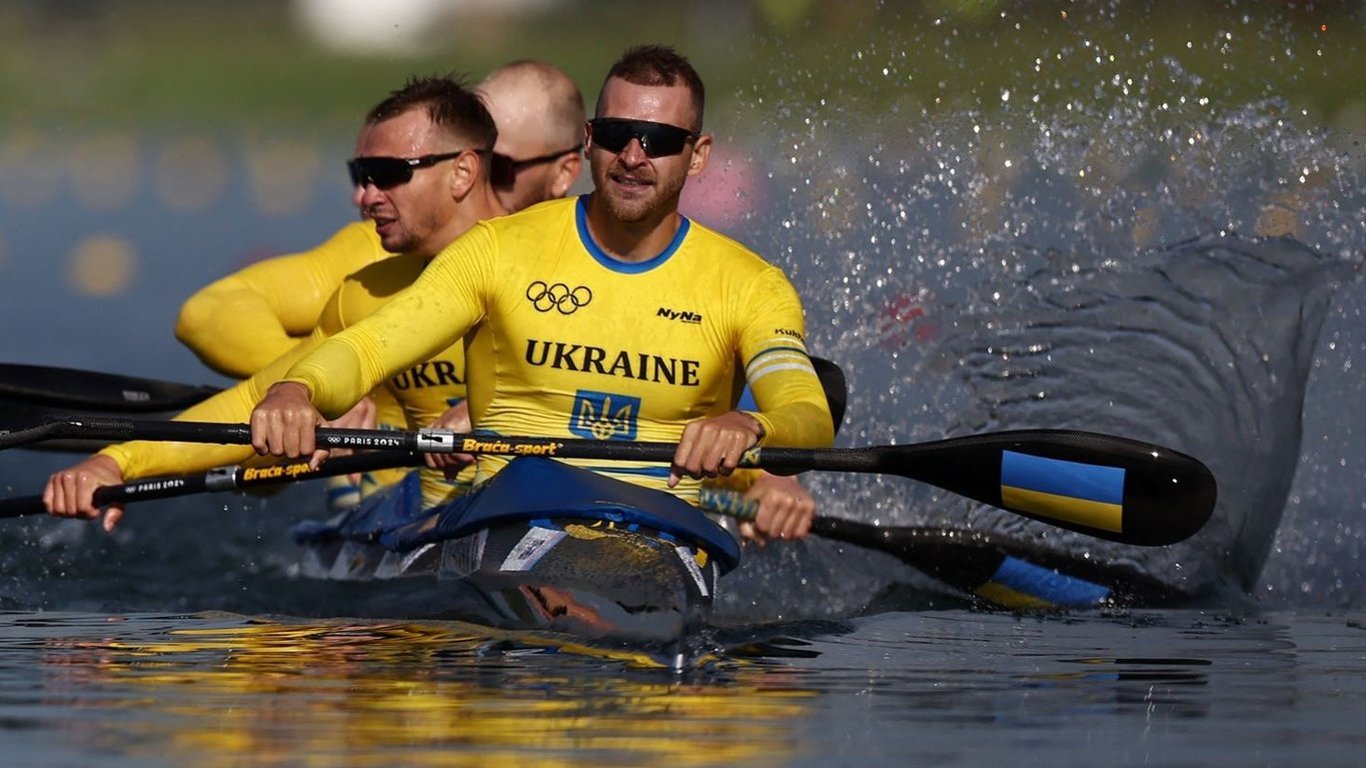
x: 558, y: 296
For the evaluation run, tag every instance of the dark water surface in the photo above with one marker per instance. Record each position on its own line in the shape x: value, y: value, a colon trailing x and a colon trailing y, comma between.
x: 923, y: 688
x: 1102, y: 240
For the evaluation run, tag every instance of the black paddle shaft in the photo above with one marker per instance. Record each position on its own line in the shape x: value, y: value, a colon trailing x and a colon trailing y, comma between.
x: 1166, y: 496
x: 231, y: 478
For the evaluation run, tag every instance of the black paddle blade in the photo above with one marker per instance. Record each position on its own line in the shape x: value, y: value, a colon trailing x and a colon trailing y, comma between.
x: 91, y: 390
x: 1001, y: 572
x: 1109, y: 487
x: 835, y: 386
x: 18, y: 416
x: 119, y: 428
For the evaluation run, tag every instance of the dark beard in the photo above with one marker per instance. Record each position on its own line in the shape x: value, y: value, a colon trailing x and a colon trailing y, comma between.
x: 641, y: 210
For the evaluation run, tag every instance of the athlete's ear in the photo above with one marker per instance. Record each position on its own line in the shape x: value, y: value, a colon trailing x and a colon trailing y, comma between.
x: 566, y: 172
x: 465, y: 169
x: 701, y: 150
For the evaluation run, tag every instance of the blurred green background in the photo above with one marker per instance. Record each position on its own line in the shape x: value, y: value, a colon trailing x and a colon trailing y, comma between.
x: 320, y: 63
x: 150, y: 146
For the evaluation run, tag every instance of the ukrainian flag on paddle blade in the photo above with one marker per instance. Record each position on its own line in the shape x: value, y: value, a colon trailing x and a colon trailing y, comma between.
x: 1069, y: 491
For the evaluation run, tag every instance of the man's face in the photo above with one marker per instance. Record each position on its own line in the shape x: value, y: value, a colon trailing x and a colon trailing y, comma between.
x: 524, y: 136
x: 633, y: 186
x: 409, y: 216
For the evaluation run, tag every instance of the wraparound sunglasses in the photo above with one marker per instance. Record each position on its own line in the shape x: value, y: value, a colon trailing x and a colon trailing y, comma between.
x: 657, y: 139
x: 504, y: 169
x: 388, y: 172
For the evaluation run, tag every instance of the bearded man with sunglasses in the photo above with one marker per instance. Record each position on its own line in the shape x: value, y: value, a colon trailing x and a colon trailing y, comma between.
x: 420, y: 176
x: 609, y: 316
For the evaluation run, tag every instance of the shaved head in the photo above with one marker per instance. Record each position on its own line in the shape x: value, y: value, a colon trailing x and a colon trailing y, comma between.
x: 538, y: 101
x: 540, y: 117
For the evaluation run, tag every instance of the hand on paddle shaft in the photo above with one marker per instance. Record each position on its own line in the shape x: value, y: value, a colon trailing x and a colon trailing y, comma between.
x: 457, y: 419
x: 285, y: 424
x: 713, y: 447
x: 782, y: 509
x: 71, y: 492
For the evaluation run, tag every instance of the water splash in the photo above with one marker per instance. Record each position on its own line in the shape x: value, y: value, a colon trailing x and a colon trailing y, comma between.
x: 1102, y: 240
x: 1205, y: 347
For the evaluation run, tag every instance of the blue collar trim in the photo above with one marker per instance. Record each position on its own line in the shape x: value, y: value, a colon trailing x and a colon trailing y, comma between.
x: 616, y: 265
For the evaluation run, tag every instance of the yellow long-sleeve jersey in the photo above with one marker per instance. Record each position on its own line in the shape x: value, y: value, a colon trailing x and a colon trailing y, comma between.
x: 423, y: 390
x: 573, y: 343
x: 238, y: 324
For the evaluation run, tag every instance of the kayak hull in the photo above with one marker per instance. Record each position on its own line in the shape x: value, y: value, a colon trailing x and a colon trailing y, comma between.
x: 563, y: 575
x: 598, y: 569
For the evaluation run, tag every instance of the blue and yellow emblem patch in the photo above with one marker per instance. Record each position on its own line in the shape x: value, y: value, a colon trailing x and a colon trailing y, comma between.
x: 604, y: 416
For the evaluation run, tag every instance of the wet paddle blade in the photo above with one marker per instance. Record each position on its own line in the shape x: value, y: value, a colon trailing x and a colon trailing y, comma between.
x: 1109, y: 487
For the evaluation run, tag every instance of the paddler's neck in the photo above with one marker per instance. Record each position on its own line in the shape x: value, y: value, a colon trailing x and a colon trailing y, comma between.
x: 481, y: 204
x: 632, y: 241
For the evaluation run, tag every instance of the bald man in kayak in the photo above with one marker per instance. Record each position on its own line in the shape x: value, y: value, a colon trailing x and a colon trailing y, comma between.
x: 539, y: 113
x: 608, y: 316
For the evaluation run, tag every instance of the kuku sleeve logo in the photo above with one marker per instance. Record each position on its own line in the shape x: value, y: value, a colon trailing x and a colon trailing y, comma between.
x: 558, y: 296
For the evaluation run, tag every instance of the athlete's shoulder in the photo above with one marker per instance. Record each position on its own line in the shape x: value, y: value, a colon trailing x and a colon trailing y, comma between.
x: 735, y: 255
x: 382, y: 279
x: 538, y: 215
x: 364, y: 291
x: 528, y: 229
x: 357, y: 242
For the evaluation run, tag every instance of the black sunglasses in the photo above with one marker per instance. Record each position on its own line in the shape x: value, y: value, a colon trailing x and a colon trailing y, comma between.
x: 503, y: 171
x: 657, y: 139
x: 388, y: 172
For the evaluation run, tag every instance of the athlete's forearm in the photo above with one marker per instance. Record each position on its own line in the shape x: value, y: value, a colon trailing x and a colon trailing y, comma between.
x: 803, y: 424
x: 232, y: 406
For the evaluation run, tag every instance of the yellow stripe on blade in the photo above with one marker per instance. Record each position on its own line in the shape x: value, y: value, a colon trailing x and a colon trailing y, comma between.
x: 1096, y: 514
x: 1006, y: 597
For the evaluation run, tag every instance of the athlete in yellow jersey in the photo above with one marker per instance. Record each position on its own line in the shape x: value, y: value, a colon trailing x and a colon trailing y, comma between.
x: 596, y: 348
x: 240, y: 323
x: 420, y: 176
x: 610, y: 316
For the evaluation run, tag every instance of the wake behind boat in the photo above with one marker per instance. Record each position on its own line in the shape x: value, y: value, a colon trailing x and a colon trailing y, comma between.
x: 543, y: 546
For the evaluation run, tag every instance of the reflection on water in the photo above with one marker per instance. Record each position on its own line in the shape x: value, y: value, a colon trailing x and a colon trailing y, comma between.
x: 215, y: 691
x: 1159, y: 688
x: 933, y: 686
